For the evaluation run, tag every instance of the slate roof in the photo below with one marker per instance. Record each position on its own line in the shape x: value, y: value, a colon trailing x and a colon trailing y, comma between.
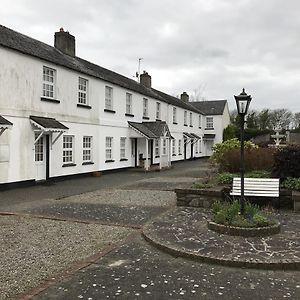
x: 48, y: 122
x: 5, y: 122
x: 188, y: 135
x: 195, y: 136
x: 215, y: 107
x: 27, y: 45
x: 152, y: 130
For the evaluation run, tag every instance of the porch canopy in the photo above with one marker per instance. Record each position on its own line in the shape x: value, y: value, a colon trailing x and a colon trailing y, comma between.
x: 151, y: 130
x: 47, y: 125
x: 4, y: 124
x: 195, y: 137
x: 208, y: 137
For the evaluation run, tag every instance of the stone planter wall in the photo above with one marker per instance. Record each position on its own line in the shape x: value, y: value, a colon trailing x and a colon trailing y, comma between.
x: 199, y: 197
x: 296, y: 200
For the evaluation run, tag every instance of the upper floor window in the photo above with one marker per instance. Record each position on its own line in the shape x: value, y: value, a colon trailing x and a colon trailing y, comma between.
x: 145, y: 107
x: 200, y: 121
x: 87, y: 149
x: 209, y: 122
x: 123, y: 148
x: 49, y: 82
x: 108, y: 97
x: 157, y: 111
x: 174, y: 115
x: 185, y: 118
x: 68, y: 149
x: 191, y: 119
x: 82, y: 91
x: 128, y: 103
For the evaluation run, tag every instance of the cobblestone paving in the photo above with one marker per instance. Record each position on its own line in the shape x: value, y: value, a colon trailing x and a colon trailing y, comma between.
x: 185, y: 230
x: 138, y: 271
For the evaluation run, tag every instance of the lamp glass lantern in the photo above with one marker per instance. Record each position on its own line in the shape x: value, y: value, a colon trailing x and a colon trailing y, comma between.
x: 242, y: 102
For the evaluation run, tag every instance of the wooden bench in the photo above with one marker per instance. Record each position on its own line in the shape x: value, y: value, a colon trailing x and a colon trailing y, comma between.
x: 256, y: 187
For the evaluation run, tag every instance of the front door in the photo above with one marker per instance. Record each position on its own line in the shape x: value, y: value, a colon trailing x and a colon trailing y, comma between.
x: 40, y: 158
x: 134, y: 152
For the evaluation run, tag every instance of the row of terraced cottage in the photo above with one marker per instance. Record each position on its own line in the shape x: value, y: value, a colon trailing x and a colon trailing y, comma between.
x: 61, y: 115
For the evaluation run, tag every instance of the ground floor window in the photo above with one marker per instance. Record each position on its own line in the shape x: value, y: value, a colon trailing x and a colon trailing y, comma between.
x: 39, y: 148
x: 173, y: 148
x: 179, y: 147
x: 156, y: 147
x: 122, y: 147
x: 164, y: 147
x: 108, y: 149
x: 200, y: 146
x: 87, y: 149
x: 68, y: 149
x: 197, y: 146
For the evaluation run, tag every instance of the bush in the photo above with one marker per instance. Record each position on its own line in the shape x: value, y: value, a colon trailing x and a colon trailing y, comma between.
x: 229, y: 132
x: 255, y: 159
x: 225, y: 178
x: 287, y: 162
x: 229, y: 214
x: 291, y: 183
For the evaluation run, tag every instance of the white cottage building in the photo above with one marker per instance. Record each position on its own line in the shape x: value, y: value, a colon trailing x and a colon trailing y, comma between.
x: 61, y: 115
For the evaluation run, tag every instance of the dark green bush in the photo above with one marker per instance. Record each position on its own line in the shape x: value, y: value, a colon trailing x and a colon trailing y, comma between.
x: 287, y: 162
x: 291, y: 183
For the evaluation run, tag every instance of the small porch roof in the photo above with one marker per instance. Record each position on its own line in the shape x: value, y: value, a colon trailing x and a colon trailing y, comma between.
x: 195, y: 136
x: 187, y: 135
x: 4, y: 123
x: 151, y: 130
x: 48, y: 124
x: 209, y: 136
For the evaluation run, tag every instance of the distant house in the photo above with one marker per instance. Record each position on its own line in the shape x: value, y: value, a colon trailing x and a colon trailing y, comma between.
x: 216, y: 119
x: 61, y: 115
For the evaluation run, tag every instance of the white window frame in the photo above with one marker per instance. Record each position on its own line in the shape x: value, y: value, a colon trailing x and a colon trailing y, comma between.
x: 158, y: 106
x: 109, y: 97
x: 87, y: 145
x: 122, y: 147
x: 200, y: 121
x: 185, y: 118
x: 174, y: 115
x: 68, y: 149
x: 196, y: 147
x: 191, y: 119
x: 179, y: 147
x: 128, y: 103
x: 209, y: 123
x: 39, y: 148
x: 82, y: 91
x: 145, y: 107
x: 200, y: 145
x: 109, y: 148
x: 164, y: 147
x: 156, y: 147
x: 49, y: 82
x: 173, y: 147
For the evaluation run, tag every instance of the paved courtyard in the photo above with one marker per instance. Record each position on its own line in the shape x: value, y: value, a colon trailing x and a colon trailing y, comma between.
x: 81, y: 239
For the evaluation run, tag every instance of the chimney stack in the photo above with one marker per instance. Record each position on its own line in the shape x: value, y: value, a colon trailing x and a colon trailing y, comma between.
x: 65, y: 42
x: 184, y: 97
x: 145, y: 79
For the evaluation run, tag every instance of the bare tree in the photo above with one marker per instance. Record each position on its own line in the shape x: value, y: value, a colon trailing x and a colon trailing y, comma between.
x: 281, y: 119
x: 296, y: 120
x: 198, y: 93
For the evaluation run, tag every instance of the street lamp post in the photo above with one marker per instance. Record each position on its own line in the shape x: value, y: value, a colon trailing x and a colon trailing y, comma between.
x: 242, y: 102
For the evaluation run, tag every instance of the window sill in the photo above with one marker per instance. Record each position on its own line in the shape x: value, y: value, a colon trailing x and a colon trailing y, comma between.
x: 184, y: 124
x: 157, y: 156
x: 84, y: 106
x: 209, y: 128
x: 175, y: 123
x: 109, y: 160
x: 129, y: 115
x: 179, y: 153
x: 146, y: 118
x: 123, y: 159
x: 109, y: 111
x: 158, y: 120
x: 191, y: 125
x: 50, y: 100
x: 68, y: 165
x: 87, y: 163
x: 199, y: 127
x: 173, y: 154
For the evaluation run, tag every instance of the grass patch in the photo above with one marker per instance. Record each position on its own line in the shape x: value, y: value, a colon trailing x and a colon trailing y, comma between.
x: 228, y: 213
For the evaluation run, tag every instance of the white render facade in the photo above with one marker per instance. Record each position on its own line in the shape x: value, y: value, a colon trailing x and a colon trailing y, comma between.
x: 84, y: 123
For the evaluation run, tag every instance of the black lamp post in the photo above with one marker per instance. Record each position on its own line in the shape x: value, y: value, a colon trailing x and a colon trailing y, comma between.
x: 242, y: 102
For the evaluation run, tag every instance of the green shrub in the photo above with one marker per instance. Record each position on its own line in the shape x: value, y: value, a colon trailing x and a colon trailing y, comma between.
x: 287, y: 162
x: 201, y: 185
x: 226, y: 213
x: 225, y: 178
x: 258, y: 174
x: 229, y: 132
x: 291, y: 183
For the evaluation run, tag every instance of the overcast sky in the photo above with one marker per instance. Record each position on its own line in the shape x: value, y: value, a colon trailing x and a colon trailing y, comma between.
x: 215, y: 46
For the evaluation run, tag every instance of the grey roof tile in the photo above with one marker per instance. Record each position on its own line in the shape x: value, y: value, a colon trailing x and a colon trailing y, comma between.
x: 214, y: 107
x: 48, y: 122
x: 152, y: 130
x: 4, y: 121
